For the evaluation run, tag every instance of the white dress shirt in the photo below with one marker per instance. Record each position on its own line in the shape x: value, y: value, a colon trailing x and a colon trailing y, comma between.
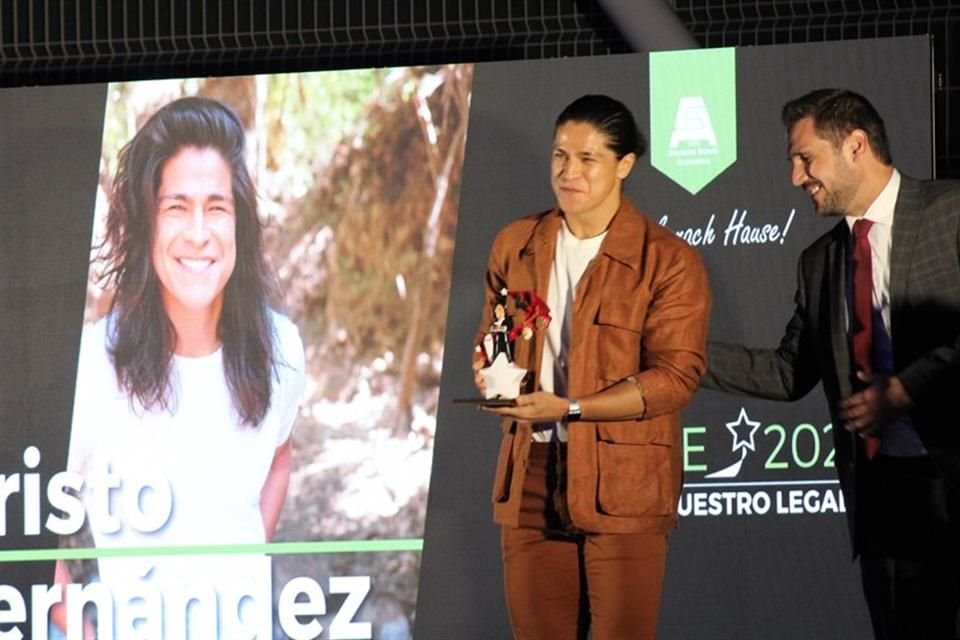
x: 900, y: 438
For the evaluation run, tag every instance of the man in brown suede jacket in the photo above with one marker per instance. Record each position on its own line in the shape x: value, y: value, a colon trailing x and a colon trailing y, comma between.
x: 589, y: 471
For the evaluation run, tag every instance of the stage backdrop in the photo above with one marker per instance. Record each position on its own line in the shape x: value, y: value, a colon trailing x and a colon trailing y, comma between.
x: 359, y: 180
x: 762, y: 548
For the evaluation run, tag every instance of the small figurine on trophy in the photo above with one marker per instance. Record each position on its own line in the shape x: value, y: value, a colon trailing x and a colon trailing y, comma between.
x: 502, y: 378
x: 496, y: 340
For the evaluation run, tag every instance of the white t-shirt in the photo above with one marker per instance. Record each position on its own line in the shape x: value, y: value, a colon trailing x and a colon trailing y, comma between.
x: 190, y: 475
x: 570, y: 261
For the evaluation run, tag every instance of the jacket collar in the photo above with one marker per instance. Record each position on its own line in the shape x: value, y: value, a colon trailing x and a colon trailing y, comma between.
x: 627, y: 228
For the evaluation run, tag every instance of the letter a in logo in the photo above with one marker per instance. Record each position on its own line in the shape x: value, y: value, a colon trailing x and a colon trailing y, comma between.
x: 693, y: 114
x: 692, y: 124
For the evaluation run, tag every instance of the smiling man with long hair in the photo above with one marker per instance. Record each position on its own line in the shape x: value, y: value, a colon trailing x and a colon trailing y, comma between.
x: 188, y: 389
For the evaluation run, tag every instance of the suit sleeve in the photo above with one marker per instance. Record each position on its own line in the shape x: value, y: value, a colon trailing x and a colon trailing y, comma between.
x: 787, y: 372
x: 932, y: 380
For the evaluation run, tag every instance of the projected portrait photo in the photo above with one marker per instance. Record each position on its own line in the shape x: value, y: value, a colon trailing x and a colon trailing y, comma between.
x: 259, y: 366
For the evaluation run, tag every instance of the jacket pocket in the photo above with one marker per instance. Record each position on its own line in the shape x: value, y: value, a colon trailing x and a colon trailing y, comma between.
x: 635, y: 479
x: 619, y: 335
x: 504, y: 472
x: 624, y: 313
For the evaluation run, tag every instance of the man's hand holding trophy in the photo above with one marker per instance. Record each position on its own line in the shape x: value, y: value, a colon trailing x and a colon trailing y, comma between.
x: 516, y: 314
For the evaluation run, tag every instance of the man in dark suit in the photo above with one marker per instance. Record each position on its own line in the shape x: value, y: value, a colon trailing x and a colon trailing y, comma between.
x: 877, y: 320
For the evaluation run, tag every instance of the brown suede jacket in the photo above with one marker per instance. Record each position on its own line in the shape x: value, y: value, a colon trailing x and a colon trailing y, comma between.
x: 641, y: 309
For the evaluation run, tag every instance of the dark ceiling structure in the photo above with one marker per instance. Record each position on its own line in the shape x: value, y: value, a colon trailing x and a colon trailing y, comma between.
x: 76, y: 41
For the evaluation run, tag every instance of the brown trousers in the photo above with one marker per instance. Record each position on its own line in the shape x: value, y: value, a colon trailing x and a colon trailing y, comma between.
x: 560, y: 585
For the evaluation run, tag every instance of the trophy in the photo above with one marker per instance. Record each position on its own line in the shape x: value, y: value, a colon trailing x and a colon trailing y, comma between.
x: 516, y: 314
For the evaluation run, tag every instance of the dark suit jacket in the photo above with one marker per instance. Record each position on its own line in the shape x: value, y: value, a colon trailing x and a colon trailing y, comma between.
x: 925, y: 330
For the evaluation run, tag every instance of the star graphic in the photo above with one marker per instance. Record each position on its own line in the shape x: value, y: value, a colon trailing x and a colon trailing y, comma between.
x: 502, y: 378
x: 743, y: 429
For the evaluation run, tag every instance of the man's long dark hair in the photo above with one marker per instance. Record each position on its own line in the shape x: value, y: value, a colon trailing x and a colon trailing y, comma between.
x: 143, y: 338
x: 609, y: 116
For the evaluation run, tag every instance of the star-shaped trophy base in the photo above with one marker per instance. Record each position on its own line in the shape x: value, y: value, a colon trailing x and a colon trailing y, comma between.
x: 502, y: 378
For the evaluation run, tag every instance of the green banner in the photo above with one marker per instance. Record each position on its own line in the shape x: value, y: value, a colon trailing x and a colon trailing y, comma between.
x: 693, y: 114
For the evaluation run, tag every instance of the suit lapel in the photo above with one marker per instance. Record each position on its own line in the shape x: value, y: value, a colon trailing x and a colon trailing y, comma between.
x: 906, y: 224
x: 836, y: 274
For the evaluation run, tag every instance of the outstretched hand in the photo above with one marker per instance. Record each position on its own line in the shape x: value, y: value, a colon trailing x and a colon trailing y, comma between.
x: 539, y: 406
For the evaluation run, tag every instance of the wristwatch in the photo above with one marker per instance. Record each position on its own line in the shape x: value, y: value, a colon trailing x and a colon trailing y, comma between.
x: 573, y: 410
